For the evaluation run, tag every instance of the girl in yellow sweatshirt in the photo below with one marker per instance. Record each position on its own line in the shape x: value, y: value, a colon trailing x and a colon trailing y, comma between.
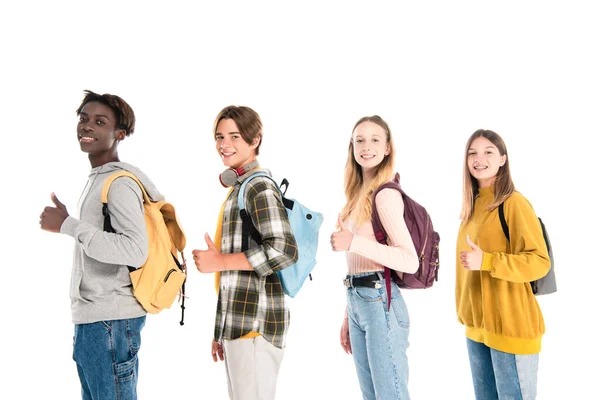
x: 494, y: 299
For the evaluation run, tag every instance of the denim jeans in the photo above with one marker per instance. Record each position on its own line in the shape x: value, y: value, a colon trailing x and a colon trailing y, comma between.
x: 502, y: 376
x: 379, y: 340
x: 106, y: 357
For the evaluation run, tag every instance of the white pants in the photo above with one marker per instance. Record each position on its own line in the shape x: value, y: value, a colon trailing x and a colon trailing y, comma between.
x: 252, y: 366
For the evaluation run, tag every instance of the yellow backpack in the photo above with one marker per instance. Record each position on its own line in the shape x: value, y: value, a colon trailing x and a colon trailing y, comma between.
x: 161, y: 279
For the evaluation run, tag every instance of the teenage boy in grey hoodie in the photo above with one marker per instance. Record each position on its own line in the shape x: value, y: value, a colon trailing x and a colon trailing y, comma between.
x: 107, y: 317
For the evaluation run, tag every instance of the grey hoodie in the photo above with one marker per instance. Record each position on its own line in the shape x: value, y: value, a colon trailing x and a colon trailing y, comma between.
x: 100, y: 283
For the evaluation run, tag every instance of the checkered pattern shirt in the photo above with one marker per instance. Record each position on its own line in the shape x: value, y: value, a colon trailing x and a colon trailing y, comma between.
x: 253, y: 301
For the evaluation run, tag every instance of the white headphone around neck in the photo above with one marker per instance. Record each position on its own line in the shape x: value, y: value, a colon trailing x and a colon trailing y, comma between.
x: 229, y: 177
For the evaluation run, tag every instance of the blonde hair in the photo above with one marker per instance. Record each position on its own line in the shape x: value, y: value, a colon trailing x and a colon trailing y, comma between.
x: 359, y: 196
x: 503, y: 184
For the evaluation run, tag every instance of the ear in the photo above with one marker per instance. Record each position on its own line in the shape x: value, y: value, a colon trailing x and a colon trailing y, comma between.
x: 387, y: 150
x: 503, y: 160
x: 256, y: 142
x: 120, y: 134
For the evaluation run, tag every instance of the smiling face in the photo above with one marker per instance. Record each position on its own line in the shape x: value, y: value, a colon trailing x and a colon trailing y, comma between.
x: 370, y: 145
x: 232, y: 147
x: 97, y: 133
x: 484, y: 160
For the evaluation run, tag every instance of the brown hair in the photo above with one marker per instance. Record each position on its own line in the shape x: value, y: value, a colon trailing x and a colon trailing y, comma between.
x: 247, y: 120
x: 503, y: 184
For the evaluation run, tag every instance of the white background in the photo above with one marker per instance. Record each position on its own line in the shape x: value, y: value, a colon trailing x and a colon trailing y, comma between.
x: 435, y: 71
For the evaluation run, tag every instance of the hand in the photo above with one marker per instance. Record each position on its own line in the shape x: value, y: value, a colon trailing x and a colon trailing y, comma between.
x: 473, y: 259
x: 52, y: 218
x: 345, y: 337
x: 208, y: 260
x: 341, y: 240
x: 217, y: 350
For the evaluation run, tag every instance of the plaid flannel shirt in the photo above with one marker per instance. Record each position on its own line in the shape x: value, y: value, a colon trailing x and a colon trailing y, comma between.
x: 253, y: 301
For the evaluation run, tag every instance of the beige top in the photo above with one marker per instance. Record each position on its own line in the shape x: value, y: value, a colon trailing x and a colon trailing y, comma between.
x: 367, y: 255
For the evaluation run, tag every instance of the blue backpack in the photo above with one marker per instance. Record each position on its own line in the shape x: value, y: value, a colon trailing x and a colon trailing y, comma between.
x: 305, y: 227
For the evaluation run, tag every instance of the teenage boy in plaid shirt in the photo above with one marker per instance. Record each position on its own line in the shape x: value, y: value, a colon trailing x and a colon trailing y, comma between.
x: 252, y: 317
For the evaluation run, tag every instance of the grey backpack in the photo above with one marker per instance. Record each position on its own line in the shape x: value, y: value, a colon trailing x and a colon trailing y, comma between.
x: 546, y: 284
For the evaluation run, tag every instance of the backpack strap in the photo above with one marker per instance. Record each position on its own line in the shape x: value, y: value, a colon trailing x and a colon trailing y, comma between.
x: 503, y: 221
x: 380, y: 234
x: 104, y: 195
x: 248, y: 228
x: 108, y: 181
x: 104, y: 199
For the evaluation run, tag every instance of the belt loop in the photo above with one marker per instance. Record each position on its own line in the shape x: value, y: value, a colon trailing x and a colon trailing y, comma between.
x: 380, y: 275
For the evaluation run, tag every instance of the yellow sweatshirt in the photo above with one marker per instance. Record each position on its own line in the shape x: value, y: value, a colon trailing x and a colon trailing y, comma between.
x: 496, y: 304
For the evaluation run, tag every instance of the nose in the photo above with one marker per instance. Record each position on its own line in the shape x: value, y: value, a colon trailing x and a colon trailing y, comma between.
x: 86, y: 127
x: 225, y: 143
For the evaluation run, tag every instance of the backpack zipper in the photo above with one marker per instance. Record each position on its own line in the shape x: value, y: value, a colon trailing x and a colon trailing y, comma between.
x: 422, y: 256
x: 169, y: 274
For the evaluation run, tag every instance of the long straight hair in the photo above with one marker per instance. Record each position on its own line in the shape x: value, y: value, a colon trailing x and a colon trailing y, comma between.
x: 503, y: 184
x: 358, y: 196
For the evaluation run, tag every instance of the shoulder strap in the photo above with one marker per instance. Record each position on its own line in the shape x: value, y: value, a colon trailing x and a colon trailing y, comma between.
x: 380, y: 234
x: 503, y: 221
x: 104, y: 195
x: 241, y: 204
x: 104, y: 198
x: 248, y: 228
x: 108, y: 181
x: 378, y: 229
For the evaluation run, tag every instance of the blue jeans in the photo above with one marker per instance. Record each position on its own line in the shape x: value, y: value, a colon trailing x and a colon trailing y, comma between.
x: 379, y: 340
x: 106, y: 357
x: 502, y: 376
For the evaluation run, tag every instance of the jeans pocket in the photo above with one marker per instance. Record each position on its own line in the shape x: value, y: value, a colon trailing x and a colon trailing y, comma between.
x: 126, y: 370
x: 127, y: 379
x: 401, y: 312
x: 367, y: 294
x: 134, y: 336
x: 107, y: 325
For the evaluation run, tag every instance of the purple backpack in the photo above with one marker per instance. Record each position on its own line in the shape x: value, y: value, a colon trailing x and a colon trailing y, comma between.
x: 425, y: 239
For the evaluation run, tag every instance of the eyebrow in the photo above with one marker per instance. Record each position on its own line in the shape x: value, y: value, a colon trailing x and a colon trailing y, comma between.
x: 97, y: 115
x: 228, y: 133
x: 487, y: 147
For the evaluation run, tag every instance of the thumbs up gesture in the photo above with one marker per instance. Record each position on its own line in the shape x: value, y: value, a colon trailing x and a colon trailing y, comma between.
x: 341, y: 240
x: 471, y: 260
x: 209, y: 260
x: 52, y: 218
